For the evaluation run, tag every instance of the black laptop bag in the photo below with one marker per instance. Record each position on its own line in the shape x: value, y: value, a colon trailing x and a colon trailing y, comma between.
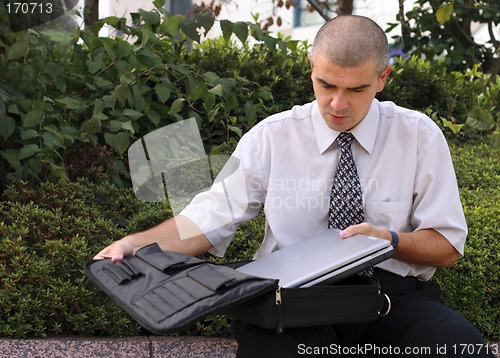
x: 166, y: 292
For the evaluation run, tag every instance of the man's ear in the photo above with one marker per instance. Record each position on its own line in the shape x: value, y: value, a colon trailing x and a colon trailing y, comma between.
x: 309, y: 57
x: 385, y: 73
x: 383, y: 77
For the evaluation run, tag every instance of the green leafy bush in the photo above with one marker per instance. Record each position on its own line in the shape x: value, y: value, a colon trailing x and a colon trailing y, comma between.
x: 472, y: 286
x: 72, y: 103
x: 62, y: 90
x: 45, y: 237
x: 47, y: 233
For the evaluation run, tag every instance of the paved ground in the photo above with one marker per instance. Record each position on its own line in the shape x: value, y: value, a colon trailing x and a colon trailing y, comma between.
x: 133, y: 347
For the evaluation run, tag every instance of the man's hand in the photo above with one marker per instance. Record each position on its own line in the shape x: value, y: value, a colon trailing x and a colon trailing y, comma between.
x: 423, y: 247
x: 116, y: 251
x: 366, y: 229
x: 167, y: 235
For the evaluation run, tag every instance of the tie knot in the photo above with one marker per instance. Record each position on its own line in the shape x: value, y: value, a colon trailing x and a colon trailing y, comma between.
x: 345, y: 139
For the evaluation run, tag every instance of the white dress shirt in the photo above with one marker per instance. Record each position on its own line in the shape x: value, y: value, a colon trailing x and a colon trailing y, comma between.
x: 287, y: 163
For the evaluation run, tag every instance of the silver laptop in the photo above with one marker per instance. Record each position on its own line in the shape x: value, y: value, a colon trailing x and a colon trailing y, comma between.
x: 322, y: 257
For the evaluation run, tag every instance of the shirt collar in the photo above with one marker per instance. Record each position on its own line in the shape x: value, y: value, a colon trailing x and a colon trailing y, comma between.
x: 364, y: 132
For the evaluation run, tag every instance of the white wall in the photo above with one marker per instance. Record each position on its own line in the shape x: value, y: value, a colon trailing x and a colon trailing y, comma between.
x: 383, y: 12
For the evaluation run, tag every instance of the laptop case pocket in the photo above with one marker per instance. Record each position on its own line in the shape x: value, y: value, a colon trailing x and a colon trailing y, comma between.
x: 354, y: 300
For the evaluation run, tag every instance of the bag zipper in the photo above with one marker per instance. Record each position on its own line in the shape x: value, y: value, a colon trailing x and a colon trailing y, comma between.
x: 279, y: 324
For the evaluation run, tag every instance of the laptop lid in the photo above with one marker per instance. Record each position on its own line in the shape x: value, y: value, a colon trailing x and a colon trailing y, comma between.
x: 322, y: 257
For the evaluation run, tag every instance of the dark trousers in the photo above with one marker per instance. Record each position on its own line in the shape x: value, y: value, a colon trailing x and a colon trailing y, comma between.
x: 418, y: 325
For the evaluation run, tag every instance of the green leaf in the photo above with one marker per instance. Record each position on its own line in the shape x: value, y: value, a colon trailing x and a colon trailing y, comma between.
x: 57, y: 36
x: 455, y: 128
x: 16, y: 51
x: 60, y: 84
x: 444, y: 13
x: 217, y: 90
x: 151, y: 18
x: 128, y: 127
x: 94, y: 66
x: 162, y: 92
x: 200, y: 91
x: 58, y: 171
x: 177, y: 105
x: 121, y: 93
x: 171, y: 25
x: 127, y: 79
x: 481, y: 119
x: 154, y: 117
x: 33, y: 118
x: 123, y: 49
x: 241, y: 31
x: 209, y: 102
x: 227, y: 29
x: 28, y: 151
x: 52, y: 140
x: 205, y: 20
x: 7, y: 128
x: 132, y: 114
x: 107, y: 44
x: 189, y: 27
x: 72, y: 103
x: 92, y: 125
x: 236, y: 130
x: 28, y: 134
x: 119, y: 141
x: 159, y: 4
x: 11, y: 156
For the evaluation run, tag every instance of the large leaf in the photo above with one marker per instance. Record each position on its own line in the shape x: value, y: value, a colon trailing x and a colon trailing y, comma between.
x: 33, y: 118
x: 227, y: 29
x: 205, y: 20
x: 241, y: 31
x: 28, y: 151
x: 481, y: 119
x: 18, y: 50
x: 7, y: 127
x: 162, y: 92
x: 444, y: 13
x: 190, y: 28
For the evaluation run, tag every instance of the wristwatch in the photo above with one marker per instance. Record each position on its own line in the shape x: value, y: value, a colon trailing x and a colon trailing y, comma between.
x: 395, y: 239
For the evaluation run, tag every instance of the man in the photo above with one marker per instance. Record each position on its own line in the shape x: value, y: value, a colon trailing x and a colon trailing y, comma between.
x: 289, y: 162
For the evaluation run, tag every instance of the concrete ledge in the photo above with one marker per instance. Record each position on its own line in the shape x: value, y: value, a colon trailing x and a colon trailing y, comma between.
x: 133, y: 347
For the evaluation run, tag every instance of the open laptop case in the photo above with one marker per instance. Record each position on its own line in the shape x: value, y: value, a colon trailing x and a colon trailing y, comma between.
x: 322, y: 257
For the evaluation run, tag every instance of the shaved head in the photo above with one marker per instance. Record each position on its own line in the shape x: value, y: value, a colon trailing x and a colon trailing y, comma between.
x: 350, y: 41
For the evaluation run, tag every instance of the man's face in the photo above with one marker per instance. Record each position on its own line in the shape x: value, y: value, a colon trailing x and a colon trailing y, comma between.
x: 344, y: 95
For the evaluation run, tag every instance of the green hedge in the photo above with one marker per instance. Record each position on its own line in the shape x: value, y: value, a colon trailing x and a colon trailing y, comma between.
x: 61, y: 91
x: 48, y: 232
x: 473, y: 285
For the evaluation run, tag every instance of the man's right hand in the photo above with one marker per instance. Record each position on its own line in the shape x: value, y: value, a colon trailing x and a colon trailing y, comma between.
x: 116, y: 251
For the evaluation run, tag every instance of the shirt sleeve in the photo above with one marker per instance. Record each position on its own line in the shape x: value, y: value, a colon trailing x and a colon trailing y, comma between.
x: 236, y: 195
x: 437, y: 202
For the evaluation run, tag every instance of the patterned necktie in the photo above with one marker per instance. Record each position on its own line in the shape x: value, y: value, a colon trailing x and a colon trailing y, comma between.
x: 346, y: 201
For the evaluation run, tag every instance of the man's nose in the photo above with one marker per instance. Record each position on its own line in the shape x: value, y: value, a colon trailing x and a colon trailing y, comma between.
x: 339, y: 102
